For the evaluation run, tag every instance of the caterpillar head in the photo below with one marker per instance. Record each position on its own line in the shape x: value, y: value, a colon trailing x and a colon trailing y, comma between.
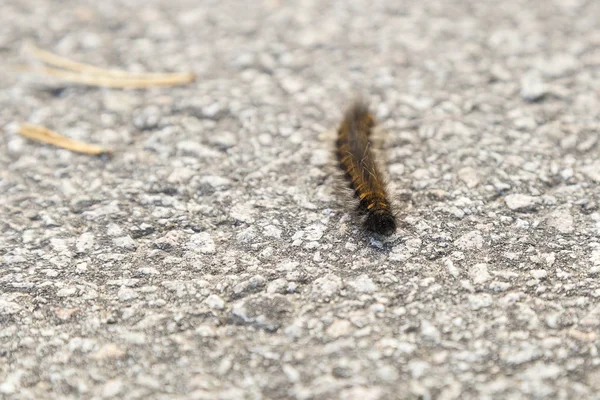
x: 382, y: 222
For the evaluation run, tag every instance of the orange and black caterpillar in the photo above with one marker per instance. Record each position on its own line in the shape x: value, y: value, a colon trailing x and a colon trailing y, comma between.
x: 357, y: 161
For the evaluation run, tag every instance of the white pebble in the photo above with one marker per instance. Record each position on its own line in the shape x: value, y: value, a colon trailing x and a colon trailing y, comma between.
x: 201, y: 242
x: 215, y: 302
x: 478, y: 301
x: 561, y: 220
x: 539, y: 273
x: 85, y: 242
x: 479, y: 273
x: 126, y: 294
x: 326, y: 287
x: 521, y: 202
x: 66, y: 292
x: 471, y: 240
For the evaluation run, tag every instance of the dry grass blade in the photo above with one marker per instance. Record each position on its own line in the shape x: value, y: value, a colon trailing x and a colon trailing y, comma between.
x: 66, y: 63
x: 115, y: 82
x: 93, y: 76
x: 42, y: 134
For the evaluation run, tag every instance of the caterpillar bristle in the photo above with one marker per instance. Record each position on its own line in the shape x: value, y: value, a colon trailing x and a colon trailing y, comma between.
x: 358, y: 163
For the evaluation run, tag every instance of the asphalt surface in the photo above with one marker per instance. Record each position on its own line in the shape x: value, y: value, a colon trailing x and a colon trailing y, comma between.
x: 216, y: 256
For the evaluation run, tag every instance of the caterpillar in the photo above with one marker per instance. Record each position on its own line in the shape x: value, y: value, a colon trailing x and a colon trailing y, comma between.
x: 358, y: 163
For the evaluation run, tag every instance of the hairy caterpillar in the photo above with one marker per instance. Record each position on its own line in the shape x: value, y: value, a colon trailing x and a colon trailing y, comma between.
x: 358, y: 163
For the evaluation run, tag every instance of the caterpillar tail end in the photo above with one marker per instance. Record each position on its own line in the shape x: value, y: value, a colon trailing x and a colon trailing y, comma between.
x: 382, y: 222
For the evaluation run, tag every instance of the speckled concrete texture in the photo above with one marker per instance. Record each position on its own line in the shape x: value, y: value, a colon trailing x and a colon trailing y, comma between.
x: 214, y: 256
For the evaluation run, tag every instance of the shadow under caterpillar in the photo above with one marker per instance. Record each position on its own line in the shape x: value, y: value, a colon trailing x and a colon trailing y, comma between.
x: 357, y: 161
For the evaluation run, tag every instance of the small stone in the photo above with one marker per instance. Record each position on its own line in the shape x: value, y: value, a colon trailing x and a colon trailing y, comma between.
x: 125, y: 242
x: 114, y: 230
x: 66, y: 292
x: 377, y: 308
x: 59, y: 245
x: 211, y: 111
x: 418, y: 368
x: 266, y: 253
x: 519, y: 356
x: 151, y: 321
x: 452, y: 268
x: 565, y: 174
x: 533, y: 87
x: 595, y: 257
x: 521, y: 202
x: 558, y: 65
x: 215, y: 302
x: 429, y: 331
x: 272, y: 231
x: 51, y: 273
x: 561, y: 220
x: 217, y: 182
x: 497, y: 286
x: 102, y: 211
x: 326, y: 287
x: 339, y: 327
x: 363, y: 284
x: 141, y: 231
x: 471, y: 240
x: 479, y: 273
x: 169, y: 241
x: 481, y: 300
x: 542, y: 370
x: 181, y: 175
x: 65, y: 314
x: 201, y: 242
x: 147, y: 118
x: 314, y: 232
x: 291, y: 373
x: 249, y: 285
x: 85, y: 242
x: 247, y: 235
x: 277, y: 286
x: 263, y: 311
x: 292, y: 85
x: 126, y: 294
x: 192, y: 148
x: 388, y: 373
x: 133, y: 337
x: 265, y: 139
x: 127, y: 282
x: 397, y: 169
x: 539, y: 274
x: 350, y: 246
x: 589, y: 337
x: 223, y: 140
x: 522, y: 224
x: 499, y: 73
x: 289, y: 266
x: 320, y: 157
x: 9, y: 307
x: 469, y: 176
x: 206, y: 331
x: 592, y: 320
x: 457, y: 212
x: 109, y: 351
x: 80, y: 204
x: 243, y: 212
x: 592, y: 171
x: 112, y: 388
x: 12, y: 382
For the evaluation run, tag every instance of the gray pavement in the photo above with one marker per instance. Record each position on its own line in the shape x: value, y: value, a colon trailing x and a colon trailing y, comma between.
x: 214, y: 256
